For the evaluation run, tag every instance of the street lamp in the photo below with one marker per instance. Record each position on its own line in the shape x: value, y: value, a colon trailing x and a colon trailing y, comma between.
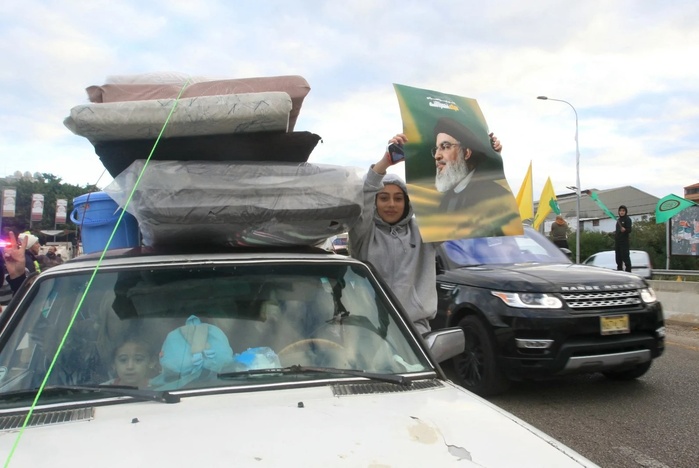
x: 577, y: 176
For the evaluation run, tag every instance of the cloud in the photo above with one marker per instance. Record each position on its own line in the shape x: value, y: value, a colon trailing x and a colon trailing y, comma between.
x: 627, y: 67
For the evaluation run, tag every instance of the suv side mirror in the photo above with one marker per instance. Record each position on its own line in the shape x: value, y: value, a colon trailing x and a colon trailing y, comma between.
x: 439, y: 264
x: 568, y: 252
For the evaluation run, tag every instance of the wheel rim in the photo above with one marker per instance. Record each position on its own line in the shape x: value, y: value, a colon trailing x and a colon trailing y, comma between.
x: 471, y: 365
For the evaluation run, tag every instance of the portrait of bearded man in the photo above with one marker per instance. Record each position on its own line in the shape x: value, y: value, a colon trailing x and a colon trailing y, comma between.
x: 468, y: 174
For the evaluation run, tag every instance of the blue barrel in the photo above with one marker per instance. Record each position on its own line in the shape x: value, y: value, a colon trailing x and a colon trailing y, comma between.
x: 96, y: 214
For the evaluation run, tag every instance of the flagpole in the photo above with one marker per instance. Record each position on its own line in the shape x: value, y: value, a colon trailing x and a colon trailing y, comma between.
x: 667, y: 244
x: 531, y: 189
x: 577, y: 176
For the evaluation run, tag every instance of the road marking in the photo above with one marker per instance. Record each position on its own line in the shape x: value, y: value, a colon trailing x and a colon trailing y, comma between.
x: 641, y: 458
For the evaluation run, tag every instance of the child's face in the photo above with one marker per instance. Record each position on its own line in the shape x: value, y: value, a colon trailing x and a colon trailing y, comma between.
x: 133, y: 364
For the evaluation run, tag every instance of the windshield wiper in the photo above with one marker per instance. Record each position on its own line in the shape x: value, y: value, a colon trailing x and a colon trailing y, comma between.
x: 121, y: 390
x: 297, y: 369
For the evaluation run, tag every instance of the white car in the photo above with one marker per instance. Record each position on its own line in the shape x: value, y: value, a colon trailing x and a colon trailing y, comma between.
x: 640, y: 262
x: 256, y: 357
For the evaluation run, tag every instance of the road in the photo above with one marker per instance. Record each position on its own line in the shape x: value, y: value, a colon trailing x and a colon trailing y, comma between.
x: 652, y: 422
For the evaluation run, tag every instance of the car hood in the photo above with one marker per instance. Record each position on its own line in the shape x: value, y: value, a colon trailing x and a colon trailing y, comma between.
x: 535, y: 277
x: 296, y: 427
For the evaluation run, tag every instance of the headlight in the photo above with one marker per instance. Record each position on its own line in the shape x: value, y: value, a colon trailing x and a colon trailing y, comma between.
x: 648, y: 295
x: 529, y: 300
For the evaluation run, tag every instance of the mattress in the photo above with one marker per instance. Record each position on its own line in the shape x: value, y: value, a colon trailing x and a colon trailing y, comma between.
x: 194, y: 116
x: 169, y: 86
x: 239, y: 204
x: 118, y: 155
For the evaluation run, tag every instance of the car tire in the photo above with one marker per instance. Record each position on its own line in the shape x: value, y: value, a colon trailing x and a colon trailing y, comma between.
x: 629, y: 374
x: 476, y: 368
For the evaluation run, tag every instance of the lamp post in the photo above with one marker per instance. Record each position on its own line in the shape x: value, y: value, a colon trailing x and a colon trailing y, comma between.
x: 577, y: 177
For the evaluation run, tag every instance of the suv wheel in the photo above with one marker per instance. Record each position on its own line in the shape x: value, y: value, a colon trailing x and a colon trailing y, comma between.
x: 477, y: 368
x: 628, y: 374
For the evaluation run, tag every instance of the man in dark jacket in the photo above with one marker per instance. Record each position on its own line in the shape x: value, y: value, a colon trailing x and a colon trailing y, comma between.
x: 621, y: 240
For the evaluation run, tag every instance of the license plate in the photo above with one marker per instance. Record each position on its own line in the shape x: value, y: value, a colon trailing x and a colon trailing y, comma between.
x: 614, y: 324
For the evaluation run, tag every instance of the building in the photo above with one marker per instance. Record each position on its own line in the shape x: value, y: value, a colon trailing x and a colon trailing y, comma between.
x: 640, y: 205
x: 691, y: 192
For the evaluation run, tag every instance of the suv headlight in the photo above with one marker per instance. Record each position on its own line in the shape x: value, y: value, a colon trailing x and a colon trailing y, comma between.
x: 648, y: 295
x: 529, y: 300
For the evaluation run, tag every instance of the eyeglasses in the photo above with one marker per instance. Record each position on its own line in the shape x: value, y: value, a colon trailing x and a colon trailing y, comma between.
x: 443, y: 146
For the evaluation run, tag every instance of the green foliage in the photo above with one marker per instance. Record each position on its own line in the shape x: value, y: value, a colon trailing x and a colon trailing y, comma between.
x: 649, y: 236
x: 52, y: 188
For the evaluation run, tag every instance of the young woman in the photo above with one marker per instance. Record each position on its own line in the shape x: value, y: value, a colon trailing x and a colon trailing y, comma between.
x: 387, y: 236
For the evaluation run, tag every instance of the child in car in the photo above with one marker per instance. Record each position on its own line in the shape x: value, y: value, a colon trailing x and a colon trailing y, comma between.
x: 134, y: 362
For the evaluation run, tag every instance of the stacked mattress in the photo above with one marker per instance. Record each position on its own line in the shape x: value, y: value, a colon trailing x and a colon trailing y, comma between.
x: 239, y: 204
x: 219, y: 120
x: 225, y: 161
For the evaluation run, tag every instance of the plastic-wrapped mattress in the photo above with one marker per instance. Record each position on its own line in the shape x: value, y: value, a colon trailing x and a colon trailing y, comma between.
x: 239, y: 204
x: 195, y: 116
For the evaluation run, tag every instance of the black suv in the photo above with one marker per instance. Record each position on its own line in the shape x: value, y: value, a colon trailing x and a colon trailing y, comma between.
x: 529, y: 313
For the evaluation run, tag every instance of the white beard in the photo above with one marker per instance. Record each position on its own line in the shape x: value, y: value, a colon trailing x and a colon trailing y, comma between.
x: 452, y: 173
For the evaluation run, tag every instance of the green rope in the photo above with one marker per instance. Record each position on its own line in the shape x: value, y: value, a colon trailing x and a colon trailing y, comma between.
x: 89, y: 284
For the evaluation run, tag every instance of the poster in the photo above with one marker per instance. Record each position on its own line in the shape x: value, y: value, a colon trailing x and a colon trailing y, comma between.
x: 37, y: 207
x: 9, y: 198
x: 684, y: 232
x: 61, y: 210
x: 456, y: 180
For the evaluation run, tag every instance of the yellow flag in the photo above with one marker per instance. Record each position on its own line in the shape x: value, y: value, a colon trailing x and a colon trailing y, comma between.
x: 525, y: 197
x: 547, y: 203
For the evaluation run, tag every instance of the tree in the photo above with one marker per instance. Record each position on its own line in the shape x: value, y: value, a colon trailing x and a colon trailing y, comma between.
x: 52, y: 188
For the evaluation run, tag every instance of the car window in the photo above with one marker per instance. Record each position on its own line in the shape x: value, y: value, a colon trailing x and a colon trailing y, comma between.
x: 256, y: 316
x: 640, y: 259
x: 591, y: 260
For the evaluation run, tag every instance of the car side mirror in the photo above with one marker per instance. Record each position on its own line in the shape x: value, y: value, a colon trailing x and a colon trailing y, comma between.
x: 439, y: 265
x: 446, y: 343
x: 568, y: 252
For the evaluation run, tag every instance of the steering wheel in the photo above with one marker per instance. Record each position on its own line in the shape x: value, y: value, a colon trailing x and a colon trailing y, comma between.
x: 310, y: 343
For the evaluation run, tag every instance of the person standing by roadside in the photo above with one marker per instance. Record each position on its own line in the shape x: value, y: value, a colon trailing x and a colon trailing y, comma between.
x: 559, y: 232
x: 32, y: 251
x: 15, y: 261
x: 51, y: 259
x: 621, y: 240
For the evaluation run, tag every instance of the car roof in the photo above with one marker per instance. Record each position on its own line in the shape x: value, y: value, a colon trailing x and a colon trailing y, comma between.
x: 612, y: 253
x: 196, y: 254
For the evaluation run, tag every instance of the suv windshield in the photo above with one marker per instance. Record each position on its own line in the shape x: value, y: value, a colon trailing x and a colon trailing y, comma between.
x: 531, y: 247
x: 185, y: 326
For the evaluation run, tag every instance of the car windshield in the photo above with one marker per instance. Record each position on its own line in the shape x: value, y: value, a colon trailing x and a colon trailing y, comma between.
x: 531, y: 247
x: 173, y: 328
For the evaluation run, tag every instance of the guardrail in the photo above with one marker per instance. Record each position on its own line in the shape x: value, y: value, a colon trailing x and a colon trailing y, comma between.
x: 675, y: 272
x: 679, y: 299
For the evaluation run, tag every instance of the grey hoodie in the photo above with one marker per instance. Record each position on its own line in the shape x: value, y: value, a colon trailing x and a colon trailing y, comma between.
x: 398, y: 253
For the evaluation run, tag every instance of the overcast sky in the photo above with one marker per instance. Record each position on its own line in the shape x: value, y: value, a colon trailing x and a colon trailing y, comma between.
x: 628, y: 67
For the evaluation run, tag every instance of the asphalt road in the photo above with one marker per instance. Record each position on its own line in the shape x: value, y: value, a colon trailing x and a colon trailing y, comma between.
x: 652, y: 422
